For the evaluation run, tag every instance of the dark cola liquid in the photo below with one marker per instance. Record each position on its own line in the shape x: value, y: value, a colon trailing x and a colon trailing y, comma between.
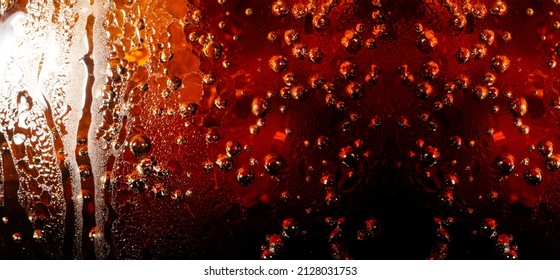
x: 288, y: 129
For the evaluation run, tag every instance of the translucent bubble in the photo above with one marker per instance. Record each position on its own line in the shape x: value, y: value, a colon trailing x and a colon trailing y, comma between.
x: 519, y: 107
x: 430, y: 70
x: 273, y: 164
x: 320, y: 22
x: 348, y: 70
x: 81, y: 140
x: 85, y: 171
x: 271, y: 36
x: 424, y: 90
x: 479, y: 10
x: 480, y: 92
x: 489, y: 78
x: 545, y: 149
x: 463, y: 55
x: 354, y: 90
x: 451, y: 180
x: 373, y: 76
x: 212, y: 136
x: 224, y: 162
x: 347, y: 156
x: 289, y: 78
x: 300, y: 51
x: 233, y: 148
x: 402, y: 122
x: 316, y: 81
x: 505, y: 164
x: 174, y: 83
x: 188, y: 109
x: 458, y: 22
x: 406, y: 77
x: 278, y: 63
x: 158, y: 191
x: 279, y: 8
x: 146, y: 166
x: 351, y: 41
x: 105, y: 181
x: 499, y: 8
x: 430, y: 156
x: 533, y: 176
x: 135, y: 182
x: 207, y: 166
x: 291, y: 36
x: 500, y: 63
x: 298, y: 92
x: 456, y: 142
x: 83, y: 152
x: 506, y: 36
x: 478, y: 51
x: 462, y: 81
x: 315, y: 55
x: 322, y: 142
x: 139, y: 145
x: 426, y: 41
x: 220, y: 103
x: 487, y: 36
x: 299, y: 10
x: 553, y: 163
x: 17, y: 237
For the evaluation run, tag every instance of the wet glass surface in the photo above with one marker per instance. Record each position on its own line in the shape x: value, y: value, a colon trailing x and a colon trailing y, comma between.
x: 287, y: 129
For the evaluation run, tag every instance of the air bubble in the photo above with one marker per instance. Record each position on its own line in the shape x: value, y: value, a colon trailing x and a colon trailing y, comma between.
x: 430, y: 156
x: 319, y: 22
x: 233, y: 148
x: 315, y: 55
x: 430, y: 70
x: 139, y: 145
x: 426, y: 41
x: 463, y: 55
x: 351, y: 41
x: 279, y: 8
x: 212, y: 136
x: 499, y: 8
x: 224, y: 162
x: 533, y: 176
x: 545, y: 149
x: 505, y: 164
x: 424, y: 90
x: 278, y: 63
x: 291, y: 36
x: 500, y: 63
x: 519, y: 107
x: 273, y: 164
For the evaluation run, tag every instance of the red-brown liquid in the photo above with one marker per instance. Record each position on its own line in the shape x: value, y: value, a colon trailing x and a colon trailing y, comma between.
x: 330, y: 129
